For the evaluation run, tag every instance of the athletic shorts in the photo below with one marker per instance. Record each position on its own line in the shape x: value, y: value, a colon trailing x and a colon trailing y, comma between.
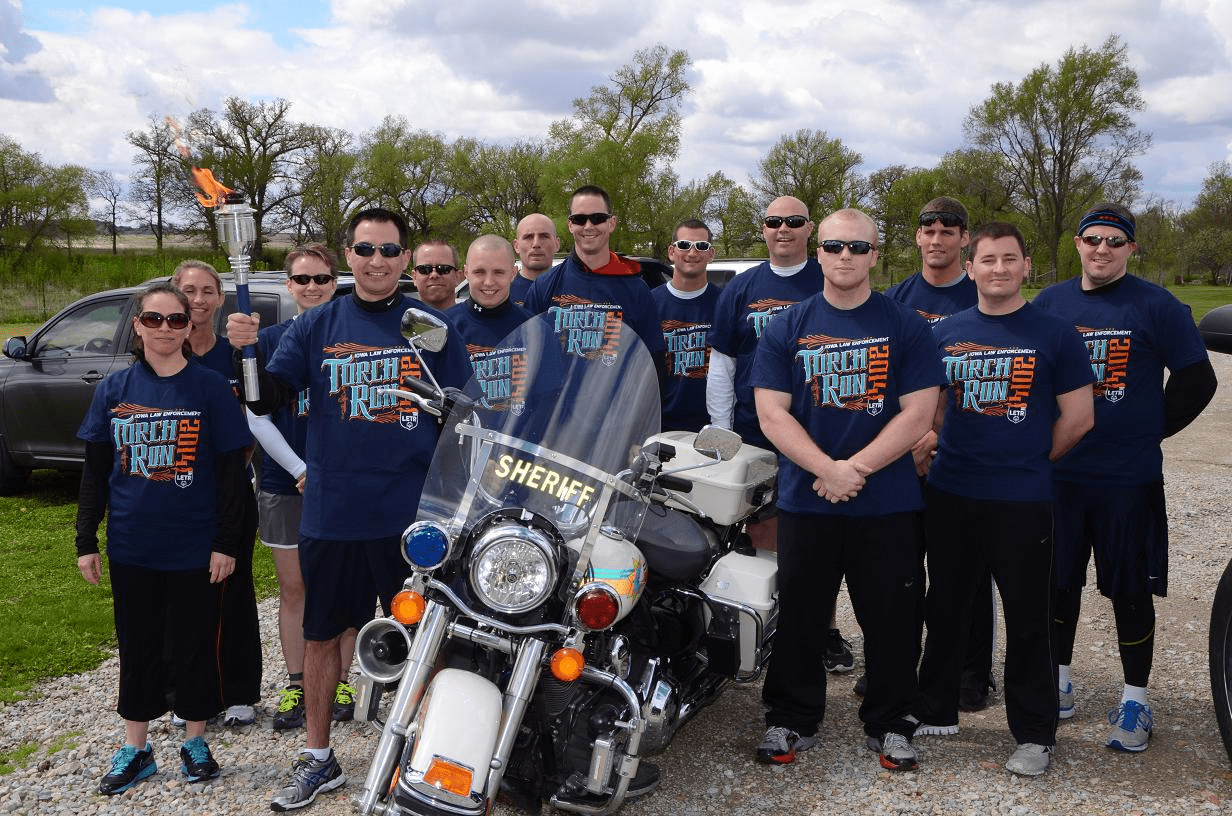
x: 280, y: 516
x: 343, y: 580
x: 1126, y: 526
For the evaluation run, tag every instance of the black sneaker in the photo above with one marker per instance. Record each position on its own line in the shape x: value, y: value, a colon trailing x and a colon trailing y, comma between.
x: 780, y: 745
x: 838, y: 658
x: 198, y: 762
x: 344, y: 702
x: 970, y: 699
x: 290, y: 711
x: 861, y: 686
x: 309, y: 776
x: 128, y: 767
x: 895, y: 752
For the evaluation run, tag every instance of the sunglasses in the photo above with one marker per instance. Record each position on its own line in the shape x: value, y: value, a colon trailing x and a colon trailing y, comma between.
x: 947, y: 219
x: 319, y: 280
x: 578, y: 219
x: 152, y: 320
x: 685, y: 246
x: 440, y: 269
x: 1114, y: 241
x: 856, y: 247
x: 366, y: 250
x: 793, y: 221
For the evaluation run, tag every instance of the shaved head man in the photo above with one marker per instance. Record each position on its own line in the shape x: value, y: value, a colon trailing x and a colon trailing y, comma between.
x: 536, y: 245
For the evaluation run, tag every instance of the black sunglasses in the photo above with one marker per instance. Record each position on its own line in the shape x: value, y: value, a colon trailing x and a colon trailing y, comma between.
x: 319, y: 280
x: 152, y: 320
x: 440, y: 269
x: 946, y: 219
x: 366, y: 250
x: 793, y: 221
x: 856, y: 247
x: 579, y: 219
x: 685, y: 246
x: 1114, y: 241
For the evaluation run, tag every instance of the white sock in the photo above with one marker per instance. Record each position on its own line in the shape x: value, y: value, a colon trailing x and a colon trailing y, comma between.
x: 1063, y: 677
x: 319, y: 754
x: 1135, y: 693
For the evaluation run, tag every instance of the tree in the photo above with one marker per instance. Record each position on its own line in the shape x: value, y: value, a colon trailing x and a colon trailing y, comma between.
x: 500, y: 183
x: 159, y: 182
x: 39, y: 203
x: 327, y: 184
x: 624, y: 137
x: 1158, y: 235
x: 408, y: 171
x: 1208, y: 226
x: 1066, y: 135
x: 107, y: 187
x: 814, y: 168
x: 737, y: 222
x: 254, y: 148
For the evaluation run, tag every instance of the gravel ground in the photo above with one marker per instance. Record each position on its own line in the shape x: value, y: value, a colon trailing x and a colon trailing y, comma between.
x: 709, y: 767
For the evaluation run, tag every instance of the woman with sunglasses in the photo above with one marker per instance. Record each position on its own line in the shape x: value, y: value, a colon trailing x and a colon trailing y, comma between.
x: 239, y: 650
x: 312, y: 279
x: 165, y: 451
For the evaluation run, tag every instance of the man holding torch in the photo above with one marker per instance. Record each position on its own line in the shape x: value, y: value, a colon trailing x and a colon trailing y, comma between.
x: 367, y: 454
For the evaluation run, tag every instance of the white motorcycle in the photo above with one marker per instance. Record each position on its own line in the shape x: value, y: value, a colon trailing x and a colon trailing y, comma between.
x: 580, y: 585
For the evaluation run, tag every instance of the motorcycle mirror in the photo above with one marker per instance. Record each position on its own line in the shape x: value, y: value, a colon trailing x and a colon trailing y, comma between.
x: 423, y: 330
x: 718, y: 443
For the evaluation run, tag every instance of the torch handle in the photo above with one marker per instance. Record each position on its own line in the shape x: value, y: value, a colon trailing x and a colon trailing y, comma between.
x: 251, y: 385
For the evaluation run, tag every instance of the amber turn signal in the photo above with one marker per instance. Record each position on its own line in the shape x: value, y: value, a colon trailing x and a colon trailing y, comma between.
x: 567, y: 664
x: 449, y: 776
x: 408, y: 607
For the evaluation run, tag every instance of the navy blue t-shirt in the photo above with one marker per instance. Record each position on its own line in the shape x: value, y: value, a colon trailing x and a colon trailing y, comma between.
x: 746, y: 306
x: 1005, y: 373
x: 935, y: 303
x: 167, y: 433
x: 687, y: 324
x: 291, y: 420
x: 845, y: 370
x: 367, y: 452
x: 1133, y: 330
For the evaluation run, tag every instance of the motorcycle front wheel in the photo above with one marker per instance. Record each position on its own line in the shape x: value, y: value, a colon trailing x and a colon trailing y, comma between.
x: 1220, y: 647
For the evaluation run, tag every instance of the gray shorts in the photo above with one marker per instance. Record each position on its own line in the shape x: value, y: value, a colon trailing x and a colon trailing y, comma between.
x: 279, y: 519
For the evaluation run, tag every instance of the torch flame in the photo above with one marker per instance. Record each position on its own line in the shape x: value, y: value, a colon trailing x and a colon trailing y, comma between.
x: 212, y: 193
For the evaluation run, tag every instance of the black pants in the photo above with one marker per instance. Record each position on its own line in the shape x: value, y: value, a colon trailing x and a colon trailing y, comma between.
x: 239, y: 645
x: 186, y: 604
x: 880, y: 557
x: 966, y: 538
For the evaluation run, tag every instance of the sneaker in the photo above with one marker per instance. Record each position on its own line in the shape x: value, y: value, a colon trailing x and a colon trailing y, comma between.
x: 290, y: 713
x: 177, y: 720
x: 128, y: 767
x: 894, y: 751
x: 1065, y: 699
x: 1030, y: 759
x: 838, y: 658
x: 861, y: 686
x: 1131, y: 726
x: 198, y: 762
x: 782, y: 744
x: 927, y: 730
x: 239, y: 715
x: 309, y: 776
x: 344, y: 702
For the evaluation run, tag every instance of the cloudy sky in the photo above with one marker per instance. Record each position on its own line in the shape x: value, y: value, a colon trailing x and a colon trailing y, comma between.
x: 892, y: 78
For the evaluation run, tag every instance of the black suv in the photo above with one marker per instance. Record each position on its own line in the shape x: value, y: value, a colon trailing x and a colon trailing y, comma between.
x: 47, y: 382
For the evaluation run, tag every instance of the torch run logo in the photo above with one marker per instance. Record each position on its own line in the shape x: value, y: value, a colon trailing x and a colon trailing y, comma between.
x: 586, y: 329
x: 847, y: 374
x: 154, y: 444
x: 991, y: 381
x: 357, y: 376
x: 501, y: 376
x: 1109, y: 350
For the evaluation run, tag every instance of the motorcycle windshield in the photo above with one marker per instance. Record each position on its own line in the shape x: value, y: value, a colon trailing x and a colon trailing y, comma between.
x: 553, y: 422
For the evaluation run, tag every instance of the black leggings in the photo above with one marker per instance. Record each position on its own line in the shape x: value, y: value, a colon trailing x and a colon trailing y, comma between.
x: 1135, y: 622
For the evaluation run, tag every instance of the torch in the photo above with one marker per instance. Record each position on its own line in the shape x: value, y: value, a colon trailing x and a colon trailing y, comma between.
x: 237, y: 232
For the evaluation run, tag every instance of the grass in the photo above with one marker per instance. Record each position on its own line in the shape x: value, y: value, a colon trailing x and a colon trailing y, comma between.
x: 56, y: 623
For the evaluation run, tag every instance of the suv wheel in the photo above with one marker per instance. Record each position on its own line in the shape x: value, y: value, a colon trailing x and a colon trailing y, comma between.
x: 12, y: 477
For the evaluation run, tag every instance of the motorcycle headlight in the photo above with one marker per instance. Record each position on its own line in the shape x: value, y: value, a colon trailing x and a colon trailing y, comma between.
x: 512, y: 568
x: 425, y: 545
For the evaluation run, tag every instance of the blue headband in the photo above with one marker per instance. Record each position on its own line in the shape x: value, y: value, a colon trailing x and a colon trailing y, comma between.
x: 1107, y: 218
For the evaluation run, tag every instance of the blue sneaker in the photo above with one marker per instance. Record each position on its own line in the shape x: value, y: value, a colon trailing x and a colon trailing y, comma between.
x: 198, y: 762
x: 309, y: 776
x: 1131, y: 726
x: 1065, y: 701
x: 128, y: 767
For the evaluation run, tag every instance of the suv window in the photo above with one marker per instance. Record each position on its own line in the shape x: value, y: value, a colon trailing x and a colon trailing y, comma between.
x: 92, y: 330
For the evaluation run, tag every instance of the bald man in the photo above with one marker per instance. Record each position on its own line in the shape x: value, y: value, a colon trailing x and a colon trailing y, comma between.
x: 845, y: 383
x: 489, y: 313
x: 536, y: 245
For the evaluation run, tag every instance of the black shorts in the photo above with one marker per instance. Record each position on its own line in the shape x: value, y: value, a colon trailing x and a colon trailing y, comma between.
x: 343, y: 580
x: 1126, y: 526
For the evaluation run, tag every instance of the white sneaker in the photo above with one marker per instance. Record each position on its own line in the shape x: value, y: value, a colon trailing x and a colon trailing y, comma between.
x: 926, y: 730
x: 240, y: 715
x: 177, y: 720
x: 1030, y: 759
x: 1065, y: 701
